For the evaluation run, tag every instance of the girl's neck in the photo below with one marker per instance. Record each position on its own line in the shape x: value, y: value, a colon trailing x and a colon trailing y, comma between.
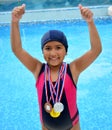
x: 55, y: 68
x: 54, y: 71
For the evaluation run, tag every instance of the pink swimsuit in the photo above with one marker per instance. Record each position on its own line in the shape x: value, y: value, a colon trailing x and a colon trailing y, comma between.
x: 70, y: 115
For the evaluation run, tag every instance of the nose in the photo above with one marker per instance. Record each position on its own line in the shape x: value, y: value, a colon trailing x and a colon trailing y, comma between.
x: 53, y: 53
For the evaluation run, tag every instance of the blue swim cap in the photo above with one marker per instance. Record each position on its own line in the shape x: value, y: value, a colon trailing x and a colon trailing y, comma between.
x: 54, y: 35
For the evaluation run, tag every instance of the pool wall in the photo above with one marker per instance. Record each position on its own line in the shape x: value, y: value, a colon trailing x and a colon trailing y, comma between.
x: 54, y: 14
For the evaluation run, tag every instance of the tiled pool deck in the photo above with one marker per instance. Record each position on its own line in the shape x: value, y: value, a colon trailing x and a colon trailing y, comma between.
x: 54, y: 14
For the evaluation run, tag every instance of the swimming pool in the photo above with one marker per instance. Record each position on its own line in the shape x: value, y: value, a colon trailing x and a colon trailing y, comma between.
x: 18, y: 97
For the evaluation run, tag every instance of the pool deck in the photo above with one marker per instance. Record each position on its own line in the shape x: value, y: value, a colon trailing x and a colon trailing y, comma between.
x: 54, y: 14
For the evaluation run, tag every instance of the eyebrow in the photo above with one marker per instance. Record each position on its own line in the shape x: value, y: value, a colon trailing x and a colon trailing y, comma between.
x: 51, y: 45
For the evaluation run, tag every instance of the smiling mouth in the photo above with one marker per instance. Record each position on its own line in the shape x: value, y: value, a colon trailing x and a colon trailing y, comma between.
x: 53, y: 59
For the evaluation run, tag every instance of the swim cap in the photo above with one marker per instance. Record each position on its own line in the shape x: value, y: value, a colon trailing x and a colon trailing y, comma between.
x: 54, y: 35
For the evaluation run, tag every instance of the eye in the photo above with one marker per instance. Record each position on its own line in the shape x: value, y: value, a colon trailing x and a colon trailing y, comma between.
x: 58, y: 47
x: 47, y: 48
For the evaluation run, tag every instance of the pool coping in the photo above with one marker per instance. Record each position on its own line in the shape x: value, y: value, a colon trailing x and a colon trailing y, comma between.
x: 54, y: 14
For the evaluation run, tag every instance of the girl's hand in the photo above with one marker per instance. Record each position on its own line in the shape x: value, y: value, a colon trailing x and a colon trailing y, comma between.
x: 86, y: 13
x: 17, y: 13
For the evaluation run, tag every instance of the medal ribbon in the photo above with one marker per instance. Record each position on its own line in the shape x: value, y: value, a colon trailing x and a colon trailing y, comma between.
x: 62, y: 76
x: 53, y: 91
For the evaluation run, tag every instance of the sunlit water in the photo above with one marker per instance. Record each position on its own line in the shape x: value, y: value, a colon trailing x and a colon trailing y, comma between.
x: 18, y: 97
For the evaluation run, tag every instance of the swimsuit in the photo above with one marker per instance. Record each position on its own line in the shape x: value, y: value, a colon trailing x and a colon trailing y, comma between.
x: 70, y: 115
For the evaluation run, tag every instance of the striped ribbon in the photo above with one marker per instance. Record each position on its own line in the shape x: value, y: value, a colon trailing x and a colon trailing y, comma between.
x: 53, y: 90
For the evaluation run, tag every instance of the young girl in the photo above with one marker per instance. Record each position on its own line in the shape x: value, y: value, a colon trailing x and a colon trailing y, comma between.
x: 56, y: 81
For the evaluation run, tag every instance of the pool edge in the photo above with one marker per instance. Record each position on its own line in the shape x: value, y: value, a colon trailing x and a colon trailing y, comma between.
x: 54, y: 14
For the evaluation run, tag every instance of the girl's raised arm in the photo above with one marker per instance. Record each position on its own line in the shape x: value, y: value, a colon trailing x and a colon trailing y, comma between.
x: 81, y: 63
x: 30, y: 62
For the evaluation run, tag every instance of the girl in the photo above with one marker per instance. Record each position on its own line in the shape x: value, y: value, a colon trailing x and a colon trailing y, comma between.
x: 56, y: 80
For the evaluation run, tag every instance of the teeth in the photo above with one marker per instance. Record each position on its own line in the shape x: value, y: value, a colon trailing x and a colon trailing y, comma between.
x: 53, y: 58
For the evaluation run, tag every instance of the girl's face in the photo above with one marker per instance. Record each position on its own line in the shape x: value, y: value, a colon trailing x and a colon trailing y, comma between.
x: 54, y: 53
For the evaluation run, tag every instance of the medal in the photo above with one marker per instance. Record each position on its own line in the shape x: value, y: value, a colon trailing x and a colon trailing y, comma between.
x: 54, y: 114
x: 47, y: 107
x: 58, y: 107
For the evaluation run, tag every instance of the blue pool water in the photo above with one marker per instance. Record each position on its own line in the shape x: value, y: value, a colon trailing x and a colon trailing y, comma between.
x: 18, y: 97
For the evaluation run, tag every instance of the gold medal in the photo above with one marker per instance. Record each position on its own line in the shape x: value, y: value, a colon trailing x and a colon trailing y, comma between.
x: 54, y: 114
x: 47, y: 107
